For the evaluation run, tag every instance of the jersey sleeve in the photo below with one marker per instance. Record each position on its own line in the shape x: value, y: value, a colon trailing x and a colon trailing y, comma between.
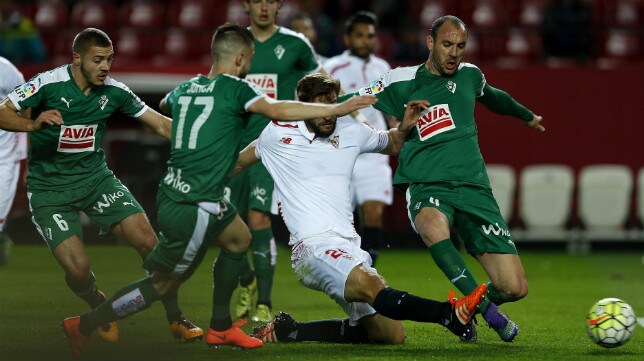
x: 29, y: 94
x: 386, y: 93
x: 369, y: 139
x: 248, y: 93
x: 130, y: 103
x: 307, y: 60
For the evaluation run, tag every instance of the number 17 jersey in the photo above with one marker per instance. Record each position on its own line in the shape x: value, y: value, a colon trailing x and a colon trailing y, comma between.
x: 208, y: 120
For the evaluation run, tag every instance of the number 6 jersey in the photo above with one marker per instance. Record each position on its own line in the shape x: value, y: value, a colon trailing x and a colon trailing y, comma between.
x: 70, y: 155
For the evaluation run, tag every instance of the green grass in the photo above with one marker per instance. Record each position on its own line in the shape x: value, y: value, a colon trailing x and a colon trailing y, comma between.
x: 35, y: 299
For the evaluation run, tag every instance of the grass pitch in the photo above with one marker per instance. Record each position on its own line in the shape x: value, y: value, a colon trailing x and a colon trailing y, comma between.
x: 552, y: 318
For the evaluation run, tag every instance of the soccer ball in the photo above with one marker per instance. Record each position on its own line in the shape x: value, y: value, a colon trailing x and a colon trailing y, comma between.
x: 610, y: 322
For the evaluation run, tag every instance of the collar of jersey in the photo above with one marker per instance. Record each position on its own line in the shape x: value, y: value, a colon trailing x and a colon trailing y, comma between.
x: 305, y: 131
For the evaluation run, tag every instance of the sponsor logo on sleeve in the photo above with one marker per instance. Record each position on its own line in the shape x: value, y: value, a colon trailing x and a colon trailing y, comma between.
x: 372, y: 89
x: 266, y: 82
x: 26, y: 90
x: 435, y: 120
x: 77, y: 138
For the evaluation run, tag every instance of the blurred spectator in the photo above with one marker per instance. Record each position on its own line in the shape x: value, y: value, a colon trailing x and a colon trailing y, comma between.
x: 302, y: 23
x: 20, y: 41
x: 567, y: 29
x: 410, y: 47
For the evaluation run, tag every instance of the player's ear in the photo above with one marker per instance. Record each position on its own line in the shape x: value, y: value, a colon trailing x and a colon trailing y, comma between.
x: 77, y: 58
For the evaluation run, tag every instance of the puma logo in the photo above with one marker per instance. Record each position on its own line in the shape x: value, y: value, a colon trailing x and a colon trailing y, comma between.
x: 66, y: 101
x: 130, y: 203
x: 459, y: 277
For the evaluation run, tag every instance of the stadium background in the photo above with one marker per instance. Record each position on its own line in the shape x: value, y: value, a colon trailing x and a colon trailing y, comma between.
x: 592, y: 107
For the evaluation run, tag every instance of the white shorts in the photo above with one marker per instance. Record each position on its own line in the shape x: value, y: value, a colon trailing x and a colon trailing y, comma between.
x: 9, y: 176
x: 324, y: 264
x: 371, y: 180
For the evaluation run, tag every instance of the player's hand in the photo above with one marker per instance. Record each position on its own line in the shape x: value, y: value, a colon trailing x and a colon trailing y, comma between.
x: 535, y: 124
x: 355, y: 103
x: 46, y: 119
x: 413, y: 108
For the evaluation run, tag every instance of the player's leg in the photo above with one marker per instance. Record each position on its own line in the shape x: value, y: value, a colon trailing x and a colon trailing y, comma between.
x: 237, y: 192
x: 488, y: 238
x: 233, y: 239
x: 124, y: 217
x: 372, y: 190
x: 58, y: 223
x: 432, y: 212
x: 9, y: 175
x: 264, y: 260
x: 372, y: 233
x: 263, y: 243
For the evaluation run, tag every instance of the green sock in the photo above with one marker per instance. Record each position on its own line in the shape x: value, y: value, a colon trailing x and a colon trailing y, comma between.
x: 264, y: 254
x: 87, y: 290
x: 225, y: 276
x: 172, y: 309
x: 493, y: 295
x: 449, y: 260
x: 133, y: 298
x: 246, y: 275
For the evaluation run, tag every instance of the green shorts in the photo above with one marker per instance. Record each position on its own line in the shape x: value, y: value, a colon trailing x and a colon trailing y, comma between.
x: 186, y: 232
x: 469, y: 207
x: 55, y: 213
x: 252, y: 189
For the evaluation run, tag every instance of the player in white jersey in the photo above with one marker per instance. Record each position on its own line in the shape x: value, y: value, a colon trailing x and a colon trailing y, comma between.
x: 371, y: 184
x: 311, y: 163
x: 13, y: 149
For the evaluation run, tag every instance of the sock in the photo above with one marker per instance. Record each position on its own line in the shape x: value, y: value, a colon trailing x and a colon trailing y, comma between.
x: 87, y: 290
x: 264, y: 256
x: 133, y: 298
x: 225, y: 275
x: 372, y: 240
x: 172, y: 309
x: 493, y: 295
x: 449, y: 260
x: 400, y: 305
x: 246, y: 275
x: 333, y: 331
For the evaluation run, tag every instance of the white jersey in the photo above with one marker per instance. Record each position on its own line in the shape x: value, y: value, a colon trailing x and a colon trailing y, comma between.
x: 354, y: 73
x: 13, y: 145
x: 312, y: 175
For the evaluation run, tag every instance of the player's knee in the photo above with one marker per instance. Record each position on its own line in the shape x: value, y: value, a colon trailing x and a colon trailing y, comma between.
x: 372, y: 283
x: 515, y: 290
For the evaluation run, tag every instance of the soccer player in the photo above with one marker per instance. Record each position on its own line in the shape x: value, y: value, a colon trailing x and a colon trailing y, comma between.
x: 13, y: 149
x: 209, y: 116
x: 67, y: 170
x: 371, y: 179
x: 443, y: 172
x: 282, y: 58
x: 302, y: 23
x: 311, y: 162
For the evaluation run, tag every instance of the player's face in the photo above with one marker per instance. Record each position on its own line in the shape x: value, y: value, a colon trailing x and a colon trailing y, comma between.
x: 262, y: 12
x: 323, y: 127
x: 362, y: 40
x: 304, y: 26
x: 95, y: 64
x: 447, y: 50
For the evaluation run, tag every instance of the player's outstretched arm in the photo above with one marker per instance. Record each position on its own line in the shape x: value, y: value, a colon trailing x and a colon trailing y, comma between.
x: 11, y: 121
x: 294, y: 110
x: 161, y: 124
x: 397, y: 136
x: 246, y: 158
